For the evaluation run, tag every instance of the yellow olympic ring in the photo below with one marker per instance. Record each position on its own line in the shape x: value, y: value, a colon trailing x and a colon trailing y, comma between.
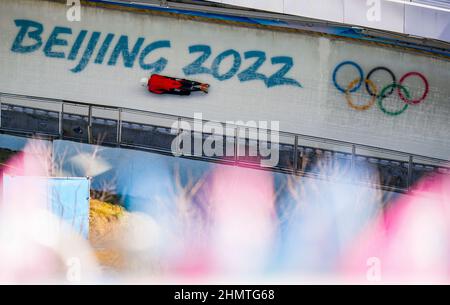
x: 349, y: 98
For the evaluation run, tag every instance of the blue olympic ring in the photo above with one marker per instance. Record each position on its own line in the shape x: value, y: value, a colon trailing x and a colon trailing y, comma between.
x: 360, y: 71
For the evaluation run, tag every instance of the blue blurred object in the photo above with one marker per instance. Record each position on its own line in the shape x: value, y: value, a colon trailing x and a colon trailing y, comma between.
x: 66, y: 198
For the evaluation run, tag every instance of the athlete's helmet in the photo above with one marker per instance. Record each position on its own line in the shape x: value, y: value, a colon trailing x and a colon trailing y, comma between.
x: 144, y: 82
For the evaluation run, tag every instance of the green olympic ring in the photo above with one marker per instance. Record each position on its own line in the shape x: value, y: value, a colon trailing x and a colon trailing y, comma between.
x: 381, y: 97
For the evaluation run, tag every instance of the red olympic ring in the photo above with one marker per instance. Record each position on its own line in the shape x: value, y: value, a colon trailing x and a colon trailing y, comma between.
x: 425, y: 93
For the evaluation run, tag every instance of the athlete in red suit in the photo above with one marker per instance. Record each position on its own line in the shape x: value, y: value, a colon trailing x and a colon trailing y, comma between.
x: 159, y: 84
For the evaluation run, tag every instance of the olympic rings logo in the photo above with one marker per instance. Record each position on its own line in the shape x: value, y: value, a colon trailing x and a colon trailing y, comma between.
x: 372, y: 90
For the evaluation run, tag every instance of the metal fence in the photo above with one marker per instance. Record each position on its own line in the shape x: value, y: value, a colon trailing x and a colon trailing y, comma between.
x: 298, y: 154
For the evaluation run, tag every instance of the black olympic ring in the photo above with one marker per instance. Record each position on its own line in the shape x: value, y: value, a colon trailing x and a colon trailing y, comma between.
x: 394, y: 81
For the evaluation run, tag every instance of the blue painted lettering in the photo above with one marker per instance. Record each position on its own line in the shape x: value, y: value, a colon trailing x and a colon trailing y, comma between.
x: 196, y: 66
x: 122, y: 49
x: 25, y: 27
x: 87, y: 53
x: 76, y: 46
x: 218, y: 60
x: 30, y: 38
x: 278, y: 79
x: 104, y: 48
x: 53, y: 40
x: 158, y: 65
x: 250, y: 73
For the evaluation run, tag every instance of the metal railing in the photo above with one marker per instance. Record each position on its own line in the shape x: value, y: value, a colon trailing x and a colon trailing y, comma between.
x: 145, y: 130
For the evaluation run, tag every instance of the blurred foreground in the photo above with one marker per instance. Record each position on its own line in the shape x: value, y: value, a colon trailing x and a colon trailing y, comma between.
x: 226, y: 225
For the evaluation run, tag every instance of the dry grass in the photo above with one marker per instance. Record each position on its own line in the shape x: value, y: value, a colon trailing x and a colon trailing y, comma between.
x: 111, y: 229
x: 106, y: 222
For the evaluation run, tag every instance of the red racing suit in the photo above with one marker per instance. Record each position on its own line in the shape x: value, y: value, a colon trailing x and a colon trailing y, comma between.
x: 160, y: 84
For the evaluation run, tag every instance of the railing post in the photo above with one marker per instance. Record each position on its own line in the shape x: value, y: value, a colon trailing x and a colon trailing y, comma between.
x: 179, y: 151
x: 236, y: 144
x: 353, y: 157
x: 119, y: 127
x: 90, y: 124
x: 0, y: 110
x: 410, y: 169
x: 60, y: 121
x: 295, y: 154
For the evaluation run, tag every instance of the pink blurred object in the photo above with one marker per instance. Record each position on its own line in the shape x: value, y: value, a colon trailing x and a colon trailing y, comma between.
x: 410, y: 242
x: 243, y: 218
